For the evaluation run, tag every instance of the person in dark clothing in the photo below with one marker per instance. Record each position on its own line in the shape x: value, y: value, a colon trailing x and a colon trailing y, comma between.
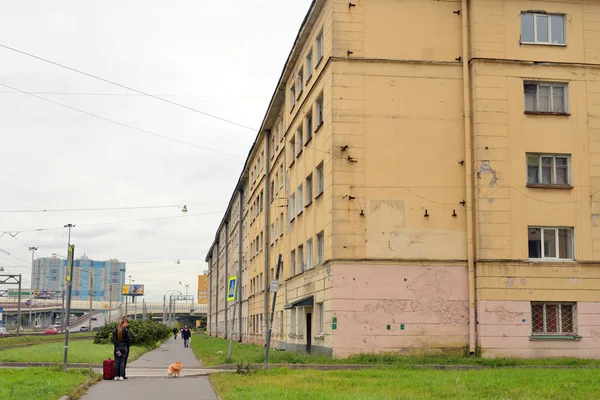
x: 175, y: 333
x: 121, y: 338
x: 185, y: 335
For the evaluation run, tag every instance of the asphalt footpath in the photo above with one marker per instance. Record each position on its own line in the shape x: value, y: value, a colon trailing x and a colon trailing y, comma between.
x: 148, y: 377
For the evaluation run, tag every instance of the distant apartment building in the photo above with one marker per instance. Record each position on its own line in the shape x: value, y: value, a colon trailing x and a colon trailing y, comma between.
x: 101, y: 279
x: 203, y: 289
x: 430, y: 173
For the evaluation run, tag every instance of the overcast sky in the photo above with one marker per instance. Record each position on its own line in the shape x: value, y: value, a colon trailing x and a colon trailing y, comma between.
x: 221, y: 57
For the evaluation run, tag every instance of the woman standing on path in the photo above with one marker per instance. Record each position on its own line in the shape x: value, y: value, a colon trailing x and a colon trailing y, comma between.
x: 122, y: 340
x: 185, y: 335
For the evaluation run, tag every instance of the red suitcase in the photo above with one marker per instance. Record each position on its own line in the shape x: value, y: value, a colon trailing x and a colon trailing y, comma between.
x: 108, y: 369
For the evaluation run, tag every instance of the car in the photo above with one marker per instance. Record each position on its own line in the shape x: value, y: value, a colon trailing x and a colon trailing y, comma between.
x: 3, y: 331
x: 94, y: 319
x: 84, y: 328
x: 50, y: 331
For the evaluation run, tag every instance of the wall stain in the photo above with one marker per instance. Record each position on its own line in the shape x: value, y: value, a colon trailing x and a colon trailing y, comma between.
x: 504, y: 314
x: 486, y: 169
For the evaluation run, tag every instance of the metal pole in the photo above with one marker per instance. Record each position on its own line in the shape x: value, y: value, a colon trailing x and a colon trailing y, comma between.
x: 126, y: 297
x: 70, y: 256
x: 19, y: 309
x: 62, y: 321
x: 110, y: 303
x: 31, y: 295
x: 164, y: 307
x: 233, y: 321
x: 266, y: 365
x: 91, y: 289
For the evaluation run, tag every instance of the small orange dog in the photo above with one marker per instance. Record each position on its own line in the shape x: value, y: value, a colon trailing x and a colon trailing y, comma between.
x: 174, y: 369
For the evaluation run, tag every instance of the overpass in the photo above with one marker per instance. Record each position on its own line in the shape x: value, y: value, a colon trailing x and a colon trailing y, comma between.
x: 50, y: 311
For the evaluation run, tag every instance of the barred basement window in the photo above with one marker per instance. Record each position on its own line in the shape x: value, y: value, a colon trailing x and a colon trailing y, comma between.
x: 553, y: 318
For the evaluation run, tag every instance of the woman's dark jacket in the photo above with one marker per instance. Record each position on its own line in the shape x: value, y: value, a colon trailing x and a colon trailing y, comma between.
x: 126, y: 340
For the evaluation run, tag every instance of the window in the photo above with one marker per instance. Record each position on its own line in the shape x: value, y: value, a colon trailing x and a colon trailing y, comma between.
x: 309, y: 253
x: 299, y: 83
x: 291, y: 205
x: 261, y: 240
x: 542, y: 28
x: 551, y: 243
x: 292, y: 149
x: 319, y: 111
x: 299, y: 200
x: 309, y: 189
x: 281, y: 227
x: 272, y: 234
x: 292, y: 321
x: 280, y: 322
x: 320, y: 247
x: 320, y: 318
x: 553, y: 318
x: 261, y: 200
x: 292, y: 96
x: 272, y: 191
x: 262, y: 281
x: 319, y: 46
x: 549, y: 169
x: 546, y: 97
x: 293, y: 263
x: 319, y: 188
x: 309, y: 66
x: 300, y: 143
x: 276, y: 229
x: 272, y: 145
x: 309, y: 125
x: 300, y: 258
x: 281, y: 176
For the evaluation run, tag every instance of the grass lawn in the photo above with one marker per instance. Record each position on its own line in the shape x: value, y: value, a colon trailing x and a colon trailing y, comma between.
x: 81, y: 351
x: 35, y: 339
x: 409, y: 383
x: 41, y: 383
x: 207, y: 348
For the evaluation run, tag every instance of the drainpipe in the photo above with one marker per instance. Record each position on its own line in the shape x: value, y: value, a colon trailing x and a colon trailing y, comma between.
x: 209, y: 319
x: 469, y: 177
x: 226, y: 276
x: 240, y: 255
x: 217, y: 293
x: 267, y: 207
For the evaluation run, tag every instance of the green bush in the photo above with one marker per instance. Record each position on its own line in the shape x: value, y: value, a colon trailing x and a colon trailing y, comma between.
x: 144, y: 333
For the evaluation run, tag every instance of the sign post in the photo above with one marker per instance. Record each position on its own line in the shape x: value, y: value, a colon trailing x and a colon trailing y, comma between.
x: 274, y: 285
x: 231, y: 296
x: 69, y: 279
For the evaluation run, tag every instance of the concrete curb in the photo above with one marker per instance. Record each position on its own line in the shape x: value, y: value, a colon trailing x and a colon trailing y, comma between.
x: 45, y: 364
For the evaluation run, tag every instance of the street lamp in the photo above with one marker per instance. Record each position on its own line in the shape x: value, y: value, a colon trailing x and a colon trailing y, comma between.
x: 164, y: 303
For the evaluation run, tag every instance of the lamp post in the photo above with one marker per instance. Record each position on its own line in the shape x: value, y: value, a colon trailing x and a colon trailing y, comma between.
x: 164, y: 304
x: 31, y: 296
x: 71, y: 252
x: 134, y: 304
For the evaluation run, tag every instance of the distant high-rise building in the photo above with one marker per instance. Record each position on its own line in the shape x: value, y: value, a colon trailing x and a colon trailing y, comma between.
x: 103, y: 279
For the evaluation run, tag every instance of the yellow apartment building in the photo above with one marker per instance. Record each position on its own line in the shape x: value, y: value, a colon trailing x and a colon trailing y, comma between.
x: 429, y: 172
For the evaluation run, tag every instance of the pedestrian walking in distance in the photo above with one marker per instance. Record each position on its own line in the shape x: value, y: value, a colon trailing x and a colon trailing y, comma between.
x: 185, y: 335
x: 175, y: 333
x: 122, y: 341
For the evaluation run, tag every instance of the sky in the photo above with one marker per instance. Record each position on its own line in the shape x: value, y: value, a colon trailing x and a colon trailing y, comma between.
x: 219, y: 57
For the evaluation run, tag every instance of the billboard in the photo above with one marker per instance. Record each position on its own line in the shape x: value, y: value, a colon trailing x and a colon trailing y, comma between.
x: 132, y: 290
x: 231, y: 288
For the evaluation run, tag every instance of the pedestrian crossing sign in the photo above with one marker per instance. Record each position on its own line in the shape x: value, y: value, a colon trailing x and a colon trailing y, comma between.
x: 231, y: 288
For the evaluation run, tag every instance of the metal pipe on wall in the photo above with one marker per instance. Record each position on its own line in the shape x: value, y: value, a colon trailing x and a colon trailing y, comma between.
x: 266, y: 238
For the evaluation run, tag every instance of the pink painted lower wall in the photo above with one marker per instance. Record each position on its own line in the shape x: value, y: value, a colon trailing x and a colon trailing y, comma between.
x: 425, y: 307
x: 504, y: 330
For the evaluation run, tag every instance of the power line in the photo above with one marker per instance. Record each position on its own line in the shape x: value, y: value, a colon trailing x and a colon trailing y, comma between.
x: 89, y: 209
x: 127, y: 87
x: 137, y: 95
x: 121, y: 123
x: 116, y: 222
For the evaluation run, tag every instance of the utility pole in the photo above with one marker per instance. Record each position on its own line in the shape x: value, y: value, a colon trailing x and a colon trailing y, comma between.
x: 19, y: 309
x: 274, y: 289
x: 31, y: 295
x: 71, y: 255
x: 134, y: 305
x: 91, y: 298
x: 110, y: 303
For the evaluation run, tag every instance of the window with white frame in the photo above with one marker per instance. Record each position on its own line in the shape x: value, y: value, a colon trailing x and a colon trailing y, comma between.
x: 291, y: 206
x: 548, y: 169
x: 293, y: 263
x: 309, y: 65
x: 309, y: 254
x: 299, y: 200
x: 320, y: 247
x: 292, y: 321
x: 300, y: 255
x: 319, y: 111
x: 299, y: 83
x: 320, y: 318
x: 546, y: 97
x: 319, y: 179
x: 547, y: 243
x: 541, y: 28
x: 319, y: 46
x: 292, y: 95
x: 553, y: 318
x: 309, y: 189
x: 309, y: 125
x: 299, y: 142
x: 292, y: 148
